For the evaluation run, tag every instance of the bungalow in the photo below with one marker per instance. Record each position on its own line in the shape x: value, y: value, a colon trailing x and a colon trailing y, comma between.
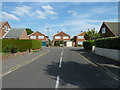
x: 109, y: 29
x: 14, y: 33
x: 79, y: 39
x: 62, y: 38
x: 39, y: 36
x: 4, y: 28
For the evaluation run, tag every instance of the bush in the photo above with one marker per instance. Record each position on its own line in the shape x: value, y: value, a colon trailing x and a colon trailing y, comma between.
x: 15, y: 45
x: 110, y: 43
x: 8, y: 48
x: 36, y: 44
x: 88, y: 44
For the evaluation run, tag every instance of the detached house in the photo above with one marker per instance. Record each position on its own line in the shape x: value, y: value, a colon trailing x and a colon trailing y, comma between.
x: 79, y: 39
x: 4, y: 28
x: 39, y: 36
x: 109, y: 29
x: 16, y: 34
x: 62, y: 38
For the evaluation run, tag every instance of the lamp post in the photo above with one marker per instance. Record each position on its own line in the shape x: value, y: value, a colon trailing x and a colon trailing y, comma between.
x: 48, y: 34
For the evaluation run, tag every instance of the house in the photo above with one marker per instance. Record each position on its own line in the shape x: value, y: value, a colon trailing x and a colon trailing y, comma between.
x: 61, y: 38
x: 109, y: 29
x: 39, y: 36
x: 14, y: 33
x: 4, y: 28
x: 79, y: 39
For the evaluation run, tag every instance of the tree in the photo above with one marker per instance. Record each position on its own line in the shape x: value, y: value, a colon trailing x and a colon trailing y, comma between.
x: 91, y: 34
x: 29, y: 31
x: 73, y: 39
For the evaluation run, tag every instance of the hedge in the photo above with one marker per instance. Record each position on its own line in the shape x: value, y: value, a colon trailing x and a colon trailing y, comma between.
x: 88, y: 44
x: 21, y: 45
x: 36, y: 44
x: 110, y: 43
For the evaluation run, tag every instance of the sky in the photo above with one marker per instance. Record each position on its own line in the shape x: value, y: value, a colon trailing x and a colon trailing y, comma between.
x: 70, y: 17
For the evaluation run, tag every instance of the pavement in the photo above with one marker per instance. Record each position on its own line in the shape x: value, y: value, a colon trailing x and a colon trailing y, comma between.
x: 60, y: 68
x: 112, y: 67
x: 10, y: 64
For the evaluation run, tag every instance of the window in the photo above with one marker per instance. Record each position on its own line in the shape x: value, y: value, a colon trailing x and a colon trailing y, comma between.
x: 5, y: 28
x: 65, y: 37
x: 32, y: 37
x: 80, y: 37
x: 103, y: 30
x: 57, y: 37
x: 40, y: 37
x: 80, y: 43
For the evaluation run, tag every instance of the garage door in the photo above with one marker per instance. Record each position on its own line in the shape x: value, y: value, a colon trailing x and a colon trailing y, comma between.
x: 44, y: 44
x: 69, y: 44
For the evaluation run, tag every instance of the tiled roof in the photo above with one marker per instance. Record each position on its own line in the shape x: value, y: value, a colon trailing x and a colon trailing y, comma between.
x: 82, y: 33
x: 36, y: 32
x: 61, y: 34
x: 113, y: 26
x: 2, y: 23
x: 14, y: 33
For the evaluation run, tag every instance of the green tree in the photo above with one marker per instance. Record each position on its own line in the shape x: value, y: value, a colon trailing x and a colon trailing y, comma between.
x: 91, y: 34
x: 73, y: 39
x: 29, y: 31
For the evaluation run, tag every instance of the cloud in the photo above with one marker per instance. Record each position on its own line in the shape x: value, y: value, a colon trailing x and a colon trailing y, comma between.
x: 6, y: 15
x: 40, y: 15
x: 22, y: 10
x: 48, y: 10
x: 74, y: 13
x: 48, y: 7
x: 51, y: 12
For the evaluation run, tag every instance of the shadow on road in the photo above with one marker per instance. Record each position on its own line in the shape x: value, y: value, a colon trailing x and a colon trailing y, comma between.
x: 80, y: 75
x: 103, y: 61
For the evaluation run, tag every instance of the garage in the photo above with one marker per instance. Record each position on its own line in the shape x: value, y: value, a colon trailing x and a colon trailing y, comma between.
x: 69, y: 43
x: 44, y: 44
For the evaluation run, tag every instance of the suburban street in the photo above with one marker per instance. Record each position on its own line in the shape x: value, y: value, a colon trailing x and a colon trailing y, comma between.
x: 62, y: 67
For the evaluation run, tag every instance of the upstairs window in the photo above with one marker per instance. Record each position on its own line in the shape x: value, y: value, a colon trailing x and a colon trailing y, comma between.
x: 5, y: 28
x: 65, y: 37
x: 32, y: 37
x: 80, y: 37
x: 57, y: 37
x: 40, y: 37
x: 103, y: 30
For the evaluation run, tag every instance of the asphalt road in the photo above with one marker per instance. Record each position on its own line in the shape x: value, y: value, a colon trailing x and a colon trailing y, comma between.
x: 60, y: 68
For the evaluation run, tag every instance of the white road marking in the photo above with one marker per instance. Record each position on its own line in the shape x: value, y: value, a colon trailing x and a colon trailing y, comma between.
x: 62, y: 53
x: 57, y: 82
x: 60, y: 62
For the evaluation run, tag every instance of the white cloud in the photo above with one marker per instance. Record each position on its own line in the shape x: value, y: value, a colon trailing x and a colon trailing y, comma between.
x: 40, y: 15
x: 74, y: 13
x: 48, y: 10
x: 51, y: 12
x: 6, y: 15
x: 54, y: 17
x: 48, y: 7
x: 22, y: 10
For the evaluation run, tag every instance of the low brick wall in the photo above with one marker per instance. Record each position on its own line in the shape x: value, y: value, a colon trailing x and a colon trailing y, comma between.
x: 13, y: 55
x: 109, y: 53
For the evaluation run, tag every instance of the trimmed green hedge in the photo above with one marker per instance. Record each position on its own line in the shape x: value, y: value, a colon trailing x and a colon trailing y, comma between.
x: 88, y: 44
x: 110, y: 43
x: 20, y: 45
x: 36, y: 44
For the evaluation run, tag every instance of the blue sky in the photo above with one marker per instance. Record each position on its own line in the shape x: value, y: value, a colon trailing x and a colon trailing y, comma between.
x: 70, y: 17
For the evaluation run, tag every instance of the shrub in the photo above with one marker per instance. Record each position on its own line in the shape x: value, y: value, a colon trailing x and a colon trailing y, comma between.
x: 15, y: 45
x: 88, y: 44
x: 8, y: 48
x: 36, y: 44
x: 109, y: 42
